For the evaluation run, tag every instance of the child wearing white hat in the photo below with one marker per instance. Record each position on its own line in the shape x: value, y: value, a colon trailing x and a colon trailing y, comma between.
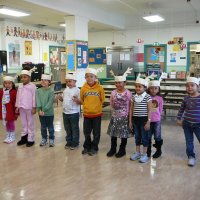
x: 92, y: 98
x: 45, y: 107
x: 118, y: 127
x: 7, y: 107
x: 155, y: 125
x: 140, y: 118
x: 26, y: 107
x: 71, y: 111
x: 189, y: 117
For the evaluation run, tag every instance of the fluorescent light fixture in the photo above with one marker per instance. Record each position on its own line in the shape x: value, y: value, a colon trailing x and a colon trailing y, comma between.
x: 154, y: 18
x: 63, y: 24
x: 12, y: 12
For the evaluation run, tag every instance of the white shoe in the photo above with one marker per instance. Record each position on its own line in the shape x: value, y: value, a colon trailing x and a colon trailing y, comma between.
x: 12, y: 137
x: 135, y: 156
x: 144, y: 158
x: 7, y: 138
x: 191, y: 161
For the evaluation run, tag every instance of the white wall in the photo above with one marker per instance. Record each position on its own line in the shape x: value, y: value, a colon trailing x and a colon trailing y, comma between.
x: 161, y: 35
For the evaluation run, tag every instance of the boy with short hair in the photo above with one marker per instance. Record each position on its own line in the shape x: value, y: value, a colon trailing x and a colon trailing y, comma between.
x: 91, y: 97
x: 71, y: 111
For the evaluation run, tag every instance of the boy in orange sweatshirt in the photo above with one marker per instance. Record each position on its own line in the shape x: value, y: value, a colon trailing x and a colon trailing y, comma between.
x: 91, y: 97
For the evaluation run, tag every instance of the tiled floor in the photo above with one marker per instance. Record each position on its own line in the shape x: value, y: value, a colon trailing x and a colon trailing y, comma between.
x: 43, y: 173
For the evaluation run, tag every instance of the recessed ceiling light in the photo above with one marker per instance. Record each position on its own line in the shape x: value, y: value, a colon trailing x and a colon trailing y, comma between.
x: 154, y: 18
x: 12, y: 12
x: 63, y: 25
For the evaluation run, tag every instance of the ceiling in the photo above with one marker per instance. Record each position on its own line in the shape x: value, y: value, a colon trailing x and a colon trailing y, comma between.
x: 130, y: 12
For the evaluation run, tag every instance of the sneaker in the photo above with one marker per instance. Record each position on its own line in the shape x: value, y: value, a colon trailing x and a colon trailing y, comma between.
x: 92, y: 152
x: 72, y: 147
x: 143, y: 158
x: 135, y: 156
x: 51, y: 143
x: 43, y: 142
x: 191, y: 161
x: 67, y: 146
x: 85, y: 151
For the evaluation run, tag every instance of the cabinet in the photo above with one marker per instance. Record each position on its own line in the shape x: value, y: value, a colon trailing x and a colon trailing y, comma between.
x: 120, y: 58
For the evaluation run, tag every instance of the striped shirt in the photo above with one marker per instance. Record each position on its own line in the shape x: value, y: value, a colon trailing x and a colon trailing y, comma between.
x: 140, y: 108
x: 190, y: 109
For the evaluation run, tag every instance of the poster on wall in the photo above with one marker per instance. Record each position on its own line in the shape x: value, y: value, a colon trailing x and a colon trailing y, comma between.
x: 153, y: 54
x: 28, y: 48
x: 63, y: 58
x: 70, y: 51
x: 14, y: 54
x: 54, y: 56
x: 172, y: 57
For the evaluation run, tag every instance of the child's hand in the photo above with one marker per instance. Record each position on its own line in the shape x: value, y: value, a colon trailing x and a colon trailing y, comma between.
x: 41, y: 113
x: 147, y: 126
x: 59, y: 97
x: 76, y: 100
x: 130, y: 125
x: 17, y: 110
x: 33, y: 111
x: 179, y: 122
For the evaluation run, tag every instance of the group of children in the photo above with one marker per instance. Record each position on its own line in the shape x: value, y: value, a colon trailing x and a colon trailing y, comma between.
x: 138, y: 114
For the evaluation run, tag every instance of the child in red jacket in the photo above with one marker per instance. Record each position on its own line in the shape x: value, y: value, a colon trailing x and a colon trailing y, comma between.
x: 7, y: 107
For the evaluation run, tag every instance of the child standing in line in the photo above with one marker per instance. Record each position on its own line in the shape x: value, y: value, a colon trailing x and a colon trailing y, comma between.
x: 155, y: 125
x: 7, y: 107
x: 140, y: 118
x: 26, y: 107
x: 45, y: 107
x: 92, y: 98
x: 71, y: 111
x: 119, y: 127
x: 189, y: 117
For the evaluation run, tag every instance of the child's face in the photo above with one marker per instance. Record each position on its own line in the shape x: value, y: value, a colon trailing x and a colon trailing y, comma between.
x: 45, y: 83
x: 25, y: 79
x: 139, y: 88
x: 192, y: 88
x: 154, y: 90
x: 8, y: 84
x: 70, y: 83
x: 90, y: 78
x: 120, y: 85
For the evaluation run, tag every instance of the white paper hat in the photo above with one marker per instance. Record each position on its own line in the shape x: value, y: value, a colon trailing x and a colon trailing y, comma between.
x: 154, y: 83
x: 26, y: 72
x: 192, y: 80
x: 142, y: 81
x: 8, y: 78
x: 93, y: 71
x: 121, y: 78
x: 46, y: 77
x: 71, y: 76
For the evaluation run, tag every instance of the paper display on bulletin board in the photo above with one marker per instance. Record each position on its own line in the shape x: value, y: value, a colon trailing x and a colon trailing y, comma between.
x: 14, y: 54
x: 82, y: 55
x: 28, y: 48
x: 97, y: 56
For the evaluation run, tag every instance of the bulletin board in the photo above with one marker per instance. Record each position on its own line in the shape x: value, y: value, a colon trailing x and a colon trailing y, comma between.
x: 55, y: 55
x: 82, y: 54
x: 97, y: 56
x: 155, y: 56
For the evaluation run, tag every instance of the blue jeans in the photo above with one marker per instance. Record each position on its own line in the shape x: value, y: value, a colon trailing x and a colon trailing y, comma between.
x: 141, y: 135
x: 71, y: 124
x: 47, y: 123
x: 155, y: 130
x: 189, y: 129
x: 92, y: 125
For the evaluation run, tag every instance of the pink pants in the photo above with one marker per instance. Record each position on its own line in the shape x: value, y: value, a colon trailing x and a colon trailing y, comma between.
x: 10, y: 126
x: 28, y: 127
